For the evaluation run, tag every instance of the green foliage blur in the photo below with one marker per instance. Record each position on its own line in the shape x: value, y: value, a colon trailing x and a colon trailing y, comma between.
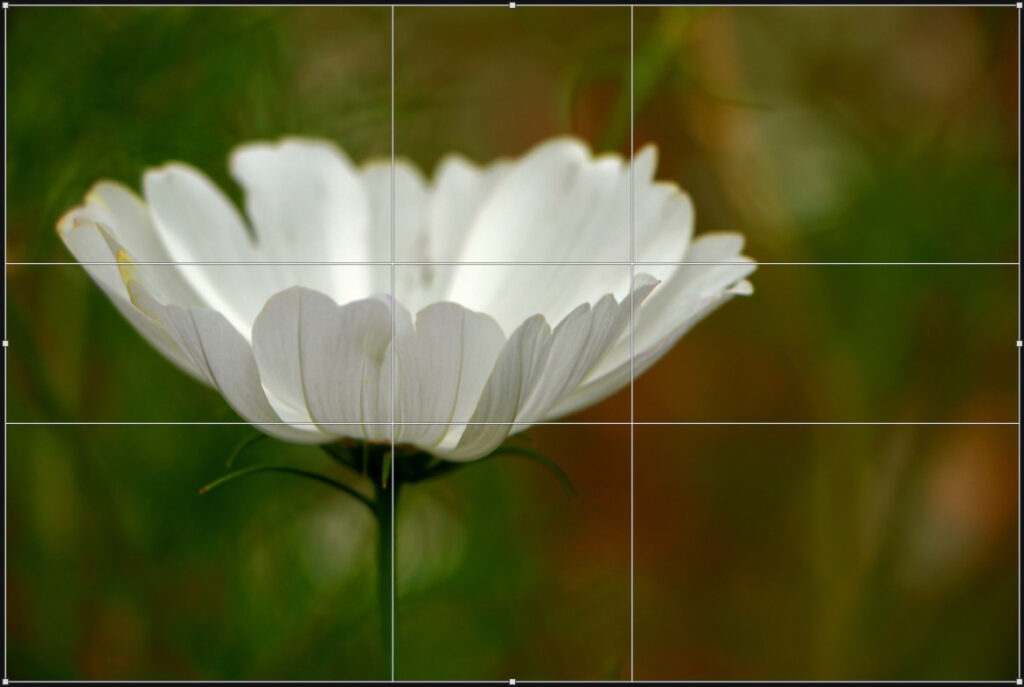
x: 839, y: 552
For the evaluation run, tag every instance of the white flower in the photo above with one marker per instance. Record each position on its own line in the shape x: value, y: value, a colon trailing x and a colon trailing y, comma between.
x: 297, y: 350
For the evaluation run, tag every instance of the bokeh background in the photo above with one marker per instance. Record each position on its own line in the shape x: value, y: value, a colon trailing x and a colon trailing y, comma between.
x: 824, y: 134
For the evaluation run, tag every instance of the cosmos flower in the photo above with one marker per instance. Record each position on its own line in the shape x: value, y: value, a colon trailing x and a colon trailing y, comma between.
x: 306, y: 352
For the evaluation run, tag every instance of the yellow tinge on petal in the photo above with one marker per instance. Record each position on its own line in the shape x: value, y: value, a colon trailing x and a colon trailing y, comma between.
x: 130, y: 276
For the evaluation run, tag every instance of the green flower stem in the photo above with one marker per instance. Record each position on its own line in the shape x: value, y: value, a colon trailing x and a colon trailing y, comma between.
x: 378, y: 463
x: 384, y: 491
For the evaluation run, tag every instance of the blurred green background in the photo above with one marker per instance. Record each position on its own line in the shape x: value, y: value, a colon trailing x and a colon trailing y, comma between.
x: 824, y: 134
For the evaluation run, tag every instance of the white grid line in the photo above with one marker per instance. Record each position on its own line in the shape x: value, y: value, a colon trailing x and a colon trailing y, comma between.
x: 1019, y: 352
x: 527, y: 682
x: 524, y: 682
x: 393, y: 476
x: 611, y: 423
x: 533, y: 5
x: 514, y: 263
x: 6, y: 377
x: 632, y: 375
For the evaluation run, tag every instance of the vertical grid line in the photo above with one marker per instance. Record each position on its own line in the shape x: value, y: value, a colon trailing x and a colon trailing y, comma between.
x: 394, y: 309
x: 6, y: 606
x: 632, y: 327
x: 1019, y: 352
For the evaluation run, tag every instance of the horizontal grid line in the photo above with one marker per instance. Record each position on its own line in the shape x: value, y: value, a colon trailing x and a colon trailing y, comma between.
x: 695, y: 423
x: 520, y: 5
x: 640, y: 681
x: 575, y: 263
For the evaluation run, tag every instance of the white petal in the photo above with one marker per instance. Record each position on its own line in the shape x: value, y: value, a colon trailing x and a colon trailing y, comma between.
x: 692, y: 294
x: 517, y: 371
x: 410, y: 203
x: 574, y: 357
x: 717, y: 247
x: 194, y: 218
x: 328, y: 359
x: 539, y: 368
x: 308, y: 203
x: 125, y: 222
x: 558, y: 203
x: 414, y: 284
x: 86, y: 241
x: 460, y: 190
x: 442, y: 368
x: 83, y: 237
x: 512, y: 293
x: 663, y: 221
x: 197, y: 223
x: 127, y: 218
x: 377, y: 181
x: 305, y: 199
x: 224, y: 357
x: 689, y: 295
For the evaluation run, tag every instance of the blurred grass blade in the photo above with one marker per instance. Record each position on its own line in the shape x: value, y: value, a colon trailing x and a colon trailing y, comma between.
x: 541, y: 459
x: 298, y: 472
x: 242, y: 445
